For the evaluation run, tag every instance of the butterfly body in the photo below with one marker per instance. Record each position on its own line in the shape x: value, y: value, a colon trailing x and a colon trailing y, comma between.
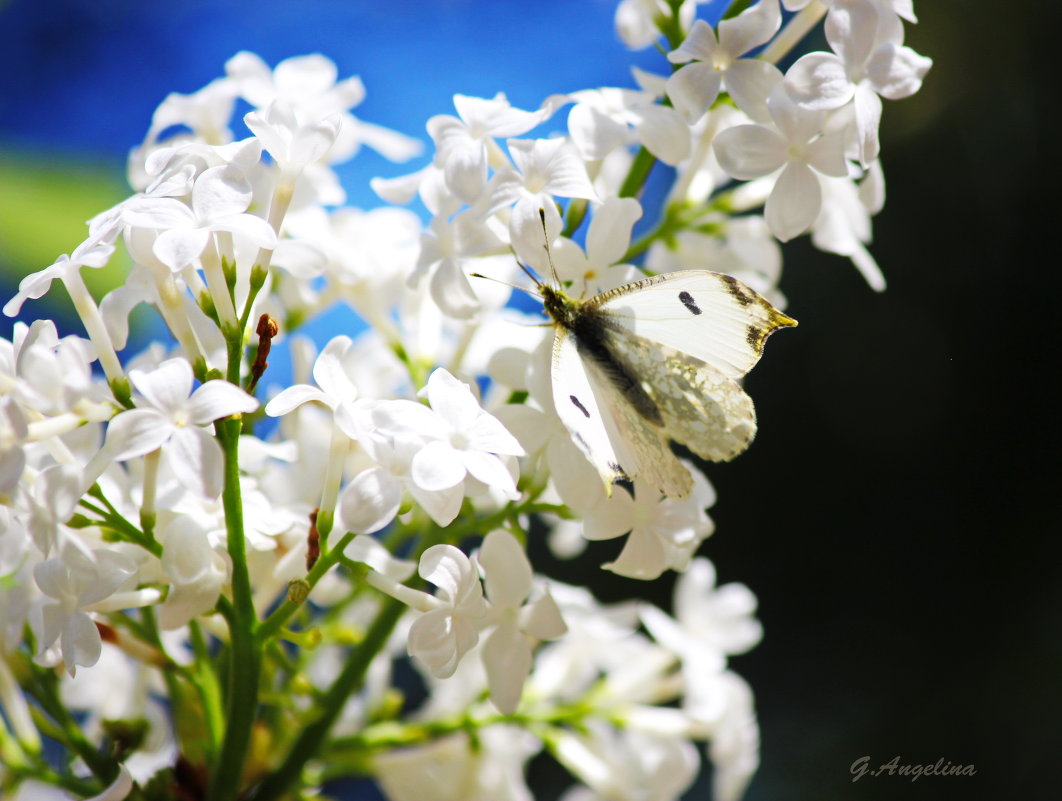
x: 654, y: 361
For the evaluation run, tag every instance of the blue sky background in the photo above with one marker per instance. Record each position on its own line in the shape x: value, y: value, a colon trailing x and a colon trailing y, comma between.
x: 84, y: 76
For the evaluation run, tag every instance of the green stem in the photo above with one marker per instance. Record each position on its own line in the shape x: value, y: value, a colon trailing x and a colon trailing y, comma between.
x: 207, y: 687
x: 309, y: 741
x: 577, y: 208
x: 638, y: 173
x: 245, y: 654
x: 114, y: 521
x: 44, y: 687
x: 273, y: 624
x: 81, y: 788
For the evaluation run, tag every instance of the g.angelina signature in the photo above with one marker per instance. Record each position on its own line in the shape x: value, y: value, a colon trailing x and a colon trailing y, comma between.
x: 893, y: 767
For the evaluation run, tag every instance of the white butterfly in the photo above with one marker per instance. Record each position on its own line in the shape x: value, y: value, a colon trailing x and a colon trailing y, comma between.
x: 653, y: 361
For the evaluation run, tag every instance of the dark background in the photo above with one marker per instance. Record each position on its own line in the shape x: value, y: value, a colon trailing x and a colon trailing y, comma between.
x: 897, y: 514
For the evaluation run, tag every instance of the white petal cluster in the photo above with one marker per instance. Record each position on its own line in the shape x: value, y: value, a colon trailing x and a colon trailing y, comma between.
x: 172, y: 517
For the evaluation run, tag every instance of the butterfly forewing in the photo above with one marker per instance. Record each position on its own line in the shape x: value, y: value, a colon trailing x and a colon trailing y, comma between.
x: 710, y: 316
x: 579, y: 409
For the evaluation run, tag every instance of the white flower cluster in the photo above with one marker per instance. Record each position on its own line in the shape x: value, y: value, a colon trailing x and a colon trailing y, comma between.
x: 267, y: 582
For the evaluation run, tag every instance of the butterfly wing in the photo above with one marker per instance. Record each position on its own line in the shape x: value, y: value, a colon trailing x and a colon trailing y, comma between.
x: 710, y: 316
x: 615, y: 438
x: 579, y: 409
x: 700, y: 407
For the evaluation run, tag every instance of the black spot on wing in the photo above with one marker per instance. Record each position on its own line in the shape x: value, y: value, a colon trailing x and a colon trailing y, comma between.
x: 687, y: 301
x: 579, y: 405
x: 741, y: 293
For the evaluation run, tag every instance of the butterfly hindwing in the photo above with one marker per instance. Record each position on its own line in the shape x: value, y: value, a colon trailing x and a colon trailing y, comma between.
x: 651, y: 460
x: 701, y: 407
x: 713, y: 317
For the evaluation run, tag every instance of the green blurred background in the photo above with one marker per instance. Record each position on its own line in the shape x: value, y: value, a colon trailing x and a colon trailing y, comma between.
x: 897, y: 516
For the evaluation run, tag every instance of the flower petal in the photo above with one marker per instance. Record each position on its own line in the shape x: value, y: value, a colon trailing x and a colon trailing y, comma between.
x: 749, y: 81
x: 437, y: 466
x: 819, y: 81
x: 694, y: 88
x: 365, y: 549
x: 750, y: 151
x: 664, y: 134
x: 216, y: 399
x: 794, y: 202
x: 167, y: 387
x: 609, y: 234
x: 370, y: 501
x: 197, y: 461
x: 507, y: 659
x: 137, y: 432
x: 506, y: 569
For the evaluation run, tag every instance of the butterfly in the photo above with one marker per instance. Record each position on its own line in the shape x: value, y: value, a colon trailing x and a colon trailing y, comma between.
x: 653, y: 361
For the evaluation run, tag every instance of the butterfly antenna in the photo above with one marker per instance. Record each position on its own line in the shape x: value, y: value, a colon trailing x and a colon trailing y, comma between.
x: 524, y: 289
x: 527, y: 271
x: 549, y: 253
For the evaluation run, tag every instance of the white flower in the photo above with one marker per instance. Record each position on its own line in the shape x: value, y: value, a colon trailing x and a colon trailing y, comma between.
x: 574, y: 478
x: 796, y: 146
x: 440, y: 637
x: 220, y: 197
x: 717, y: 63
x: 450, y: 768
x: 607, y: 240
x: 52, y: 376
x: 664, y: 532
x: 637, y: 21
x: 73, y: 581
x: 628, y: 765
x: 51, y: 501
x: 372, y: 499
x: 196, y: 571
x: 869, y: 59
x: 507, y: 650
x: 90, y: 253
x: 443, y: 246
x: 735, y: 745
x: 603, y: 120
x: 843, y: 226
x: 172, y: 414
x: 544, y: 168
x: 332, y: 371
x: 206, y: 112
x: 461, y: 145
x: 293, y: 145
x: 470, y: 440
x: 709, y: 622
x: 305, y: 82
x: 308, y: 86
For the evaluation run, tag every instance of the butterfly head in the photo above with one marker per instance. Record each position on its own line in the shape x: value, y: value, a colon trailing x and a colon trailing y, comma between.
x: 562, y: 309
